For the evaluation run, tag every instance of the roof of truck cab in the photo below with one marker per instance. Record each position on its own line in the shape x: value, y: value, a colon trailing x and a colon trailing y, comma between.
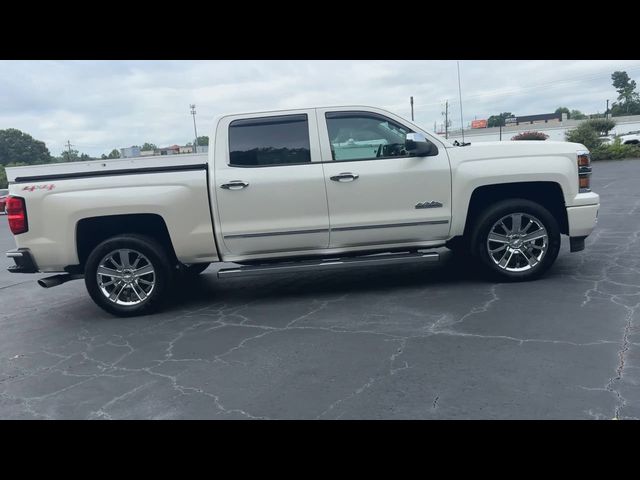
x: 347, y: 107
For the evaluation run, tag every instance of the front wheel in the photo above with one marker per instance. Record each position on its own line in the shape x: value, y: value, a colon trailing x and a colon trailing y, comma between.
x: 516, y: 240
x: 128, y: 275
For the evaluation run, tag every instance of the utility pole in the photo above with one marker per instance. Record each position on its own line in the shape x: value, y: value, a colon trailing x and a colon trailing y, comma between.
x: 193, y: 112
x: 411, y: 100
x: 69, y: 148
x: 460, y: 97
x: 446, y: 119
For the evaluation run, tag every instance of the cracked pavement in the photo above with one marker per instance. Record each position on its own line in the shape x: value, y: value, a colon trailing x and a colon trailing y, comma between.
x: 388, y: 342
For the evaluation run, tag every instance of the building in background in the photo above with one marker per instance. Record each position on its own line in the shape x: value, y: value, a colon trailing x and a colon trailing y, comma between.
x: 133, y: 152
x: 130, y: 152
x: 172, y: 150
x: 534, y: 119
x: 479, y: 123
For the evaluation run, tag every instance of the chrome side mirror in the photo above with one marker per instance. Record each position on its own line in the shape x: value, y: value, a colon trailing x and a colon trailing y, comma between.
x: 418, y: 146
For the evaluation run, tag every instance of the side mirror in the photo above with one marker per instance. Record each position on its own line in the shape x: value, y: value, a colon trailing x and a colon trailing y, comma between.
x: 417, y: 145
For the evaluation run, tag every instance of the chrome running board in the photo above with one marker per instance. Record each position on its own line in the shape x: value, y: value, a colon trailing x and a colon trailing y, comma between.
x: 328, y: 264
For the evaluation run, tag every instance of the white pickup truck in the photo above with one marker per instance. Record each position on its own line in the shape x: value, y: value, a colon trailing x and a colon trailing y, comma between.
x: 287, y: 191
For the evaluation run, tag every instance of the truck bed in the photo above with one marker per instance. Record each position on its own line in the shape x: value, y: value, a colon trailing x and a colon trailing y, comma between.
x: 120, y: 165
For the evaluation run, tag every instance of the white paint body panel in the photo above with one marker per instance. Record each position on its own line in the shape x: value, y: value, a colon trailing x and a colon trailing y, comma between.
x: 292, y: 198
x: 582, y: 220
x: 53, y: 214
x: 278, y: 199
x: 385, y: 193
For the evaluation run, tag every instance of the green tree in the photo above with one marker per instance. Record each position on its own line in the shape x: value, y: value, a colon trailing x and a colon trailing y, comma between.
x: 601, y: 126
x: 561, y: 110
x: 203, y: 141
x: 498, y: 120
x: 585, y: 135
x: 628, y: 99
x: 70, y: 156
x: 577, y: 115
x: 148, y: 146
x: 17, y: 146
x: 114, y: 154
x: 625, y: 87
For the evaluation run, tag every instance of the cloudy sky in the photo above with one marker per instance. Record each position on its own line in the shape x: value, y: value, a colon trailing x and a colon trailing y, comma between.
x: 101, y: 105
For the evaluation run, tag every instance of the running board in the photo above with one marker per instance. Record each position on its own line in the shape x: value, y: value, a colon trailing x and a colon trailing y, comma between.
x: 328, y: 264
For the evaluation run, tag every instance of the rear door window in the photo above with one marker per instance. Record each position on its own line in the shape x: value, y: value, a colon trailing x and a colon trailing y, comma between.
x: 269, y: 141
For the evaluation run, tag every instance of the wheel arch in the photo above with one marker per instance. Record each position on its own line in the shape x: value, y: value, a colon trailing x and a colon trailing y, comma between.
x: 91, y: 231
x: 547, y: 194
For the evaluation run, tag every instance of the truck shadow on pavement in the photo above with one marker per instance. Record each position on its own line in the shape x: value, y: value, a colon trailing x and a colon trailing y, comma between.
x: 452, y: 269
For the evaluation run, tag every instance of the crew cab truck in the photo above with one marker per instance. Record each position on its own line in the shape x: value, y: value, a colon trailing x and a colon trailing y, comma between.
x: 294, y: 190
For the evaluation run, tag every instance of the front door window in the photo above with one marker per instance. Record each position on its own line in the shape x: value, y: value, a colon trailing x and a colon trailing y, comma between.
x: 365, y: 136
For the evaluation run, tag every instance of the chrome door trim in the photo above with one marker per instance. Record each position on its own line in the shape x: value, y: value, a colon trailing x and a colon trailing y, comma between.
x: 336, y: 229
x: 389, y: 225
x: 272, y: 234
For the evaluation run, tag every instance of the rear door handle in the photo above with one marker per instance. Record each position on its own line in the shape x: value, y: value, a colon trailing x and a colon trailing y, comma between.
x: 234, y: 185
x: 345, y: 177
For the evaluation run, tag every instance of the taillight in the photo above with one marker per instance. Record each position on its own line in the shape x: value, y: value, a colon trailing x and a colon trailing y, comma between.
x: 584, y: 172
x: 17, y: 213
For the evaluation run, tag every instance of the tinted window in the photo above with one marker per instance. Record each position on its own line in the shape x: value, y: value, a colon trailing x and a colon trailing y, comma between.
x: 361, y: 135
x: 269, y: 141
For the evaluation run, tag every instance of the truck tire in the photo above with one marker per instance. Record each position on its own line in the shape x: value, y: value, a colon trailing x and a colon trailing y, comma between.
x: 516, y: 240
x: 128, y: 275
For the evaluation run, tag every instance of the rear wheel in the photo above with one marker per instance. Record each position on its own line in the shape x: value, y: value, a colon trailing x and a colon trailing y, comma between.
x: 128, y: 275
x: 516, y: 240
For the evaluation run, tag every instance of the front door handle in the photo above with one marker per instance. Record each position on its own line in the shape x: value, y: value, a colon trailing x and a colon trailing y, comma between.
x: 234, y: 185
x: 345, y: 177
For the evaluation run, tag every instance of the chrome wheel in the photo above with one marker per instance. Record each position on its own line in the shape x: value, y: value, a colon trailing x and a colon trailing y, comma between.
x: 126, y: 277
x: 517, y: 242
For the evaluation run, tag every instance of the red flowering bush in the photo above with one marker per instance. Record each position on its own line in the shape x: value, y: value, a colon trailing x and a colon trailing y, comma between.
x: 530, y: 136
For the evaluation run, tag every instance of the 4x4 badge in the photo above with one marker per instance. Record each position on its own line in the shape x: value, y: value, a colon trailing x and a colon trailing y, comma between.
x: 428, y: 204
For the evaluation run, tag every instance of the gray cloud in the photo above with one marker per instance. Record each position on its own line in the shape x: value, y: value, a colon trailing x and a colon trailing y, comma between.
x: 100, y: 105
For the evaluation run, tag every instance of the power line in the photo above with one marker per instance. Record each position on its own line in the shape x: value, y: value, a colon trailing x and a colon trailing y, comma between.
x: 531, y: 86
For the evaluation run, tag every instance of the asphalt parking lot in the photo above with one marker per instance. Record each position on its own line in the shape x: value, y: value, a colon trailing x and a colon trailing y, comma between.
x: 395, y: 342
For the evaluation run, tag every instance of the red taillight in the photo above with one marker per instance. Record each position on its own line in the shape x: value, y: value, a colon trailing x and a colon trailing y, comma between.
x: 17, y: 212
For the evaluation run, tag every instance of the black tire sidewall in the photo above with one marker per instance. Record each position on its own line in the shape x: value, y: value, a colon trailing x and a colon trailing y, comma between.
x: 149, y: 248
x: 501, y: 209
